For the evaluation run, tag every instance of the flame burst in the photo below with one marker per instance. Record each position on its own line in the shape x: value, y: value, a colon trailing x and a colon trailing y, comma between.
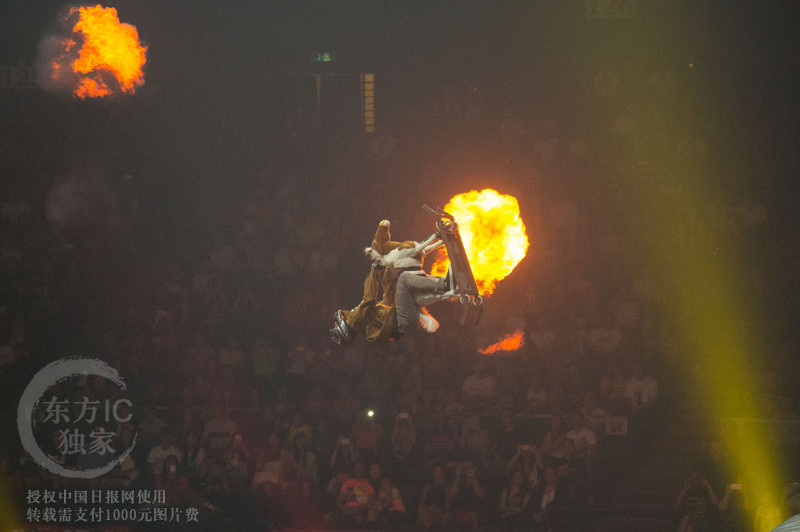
x: 493, y: 234
x: 101, y: 57
x: 510, y: 342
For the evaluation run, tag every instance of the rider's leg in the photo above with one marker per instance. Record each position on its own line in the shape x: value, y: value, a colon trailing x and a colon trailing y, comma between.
x: 409, y: 284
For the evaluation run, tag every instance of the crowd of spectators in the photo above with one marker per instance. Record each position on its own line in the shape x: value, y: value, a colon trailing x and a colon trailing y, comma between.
x: 245, y: 410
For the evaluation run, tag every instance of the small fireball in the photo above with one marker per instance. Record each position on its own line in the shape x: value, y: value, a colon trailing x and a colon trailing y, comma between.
x: 510, y: 342
x: 493, y: 234
x: 100, y: 57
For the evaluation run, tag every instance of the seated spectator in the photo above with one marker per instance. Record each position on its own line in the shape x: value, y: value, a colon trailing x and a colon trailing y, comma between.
x: 125, y: 413
x: 323, y: 442
x: 174, y: 484
x: 214, y: 305
x: 583, y: 437
x: 212, y: 488
x: 391, y: 509
x: 612, y: 389
x: 479, y: 389
x: 316, y: 406
x: 298, y: 425
x: 605, y: 338
x: 366, y: 435
x: 155, y: 460
x: 89, y: 459
x: 281, y: 479
x: 239, y: 463
x: 194, y: 455
x: 433, y: 500
x: 209, y: 380
x: 404, y: 438
x: 126, y: 472
x: 345, y: 405
x: 508, y: 436
x: 298, y: 360
x: 412, y: 387
x: 464, y: 497
x: 344, y: 455
x: 231, y: 389
x: 542, y: 497
x: 768, y: 514
x: 423, y: 409
x: 731, y: 512
x: 543, y: 337
x: 255, y: 414
x: 283, y: 406
x: 355, y: 503
x: 573, y: 476
x: 594, y: 415
x: 343, y: 460
x: 536, y: 396
x: 553, y: 440
x: 528, y: 460
x: 232, y: 354
x: 267, y: 475
x: 375, y: 475
x: 696, y: 502
x: 513, y: 501
x: 200, y: 349
x: 556, y: 401
x: 574, y: 386
x: 218, y: 431
x: 371, y: 386
x: 439, y: 438
x: 265, y: 360
x: 149, y: 428
x: 455, y: 409
x: 714, y: 467
x: 268, y: 419
x: 474, y: 440
x: 271, y: 451
x: 306, y: 459
x: 435, y: 373
x: 286, y: 491
x: 641, y: 390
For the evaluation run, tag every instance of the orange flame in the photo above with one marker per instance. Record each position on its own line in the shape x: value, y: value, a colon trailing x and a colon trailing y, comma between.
x: 110, y: 58
x: 510, y: 342
x: 493, y: 234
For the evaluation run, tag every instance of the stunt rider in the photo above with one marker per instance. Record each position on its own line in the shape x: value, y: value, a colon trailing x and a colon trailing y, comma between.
x: 397, y: 267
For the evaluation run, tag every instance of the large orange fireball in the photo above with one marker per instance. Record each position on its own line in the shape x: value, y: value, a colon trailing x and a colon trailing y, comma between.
x: 493, y: 234
x: 510, y: 342
x: 102, y: 56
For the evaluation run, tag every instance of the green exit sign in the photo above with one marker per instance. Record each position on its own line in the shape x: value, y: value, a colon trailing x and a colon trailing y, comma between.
x: 324, y: 57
